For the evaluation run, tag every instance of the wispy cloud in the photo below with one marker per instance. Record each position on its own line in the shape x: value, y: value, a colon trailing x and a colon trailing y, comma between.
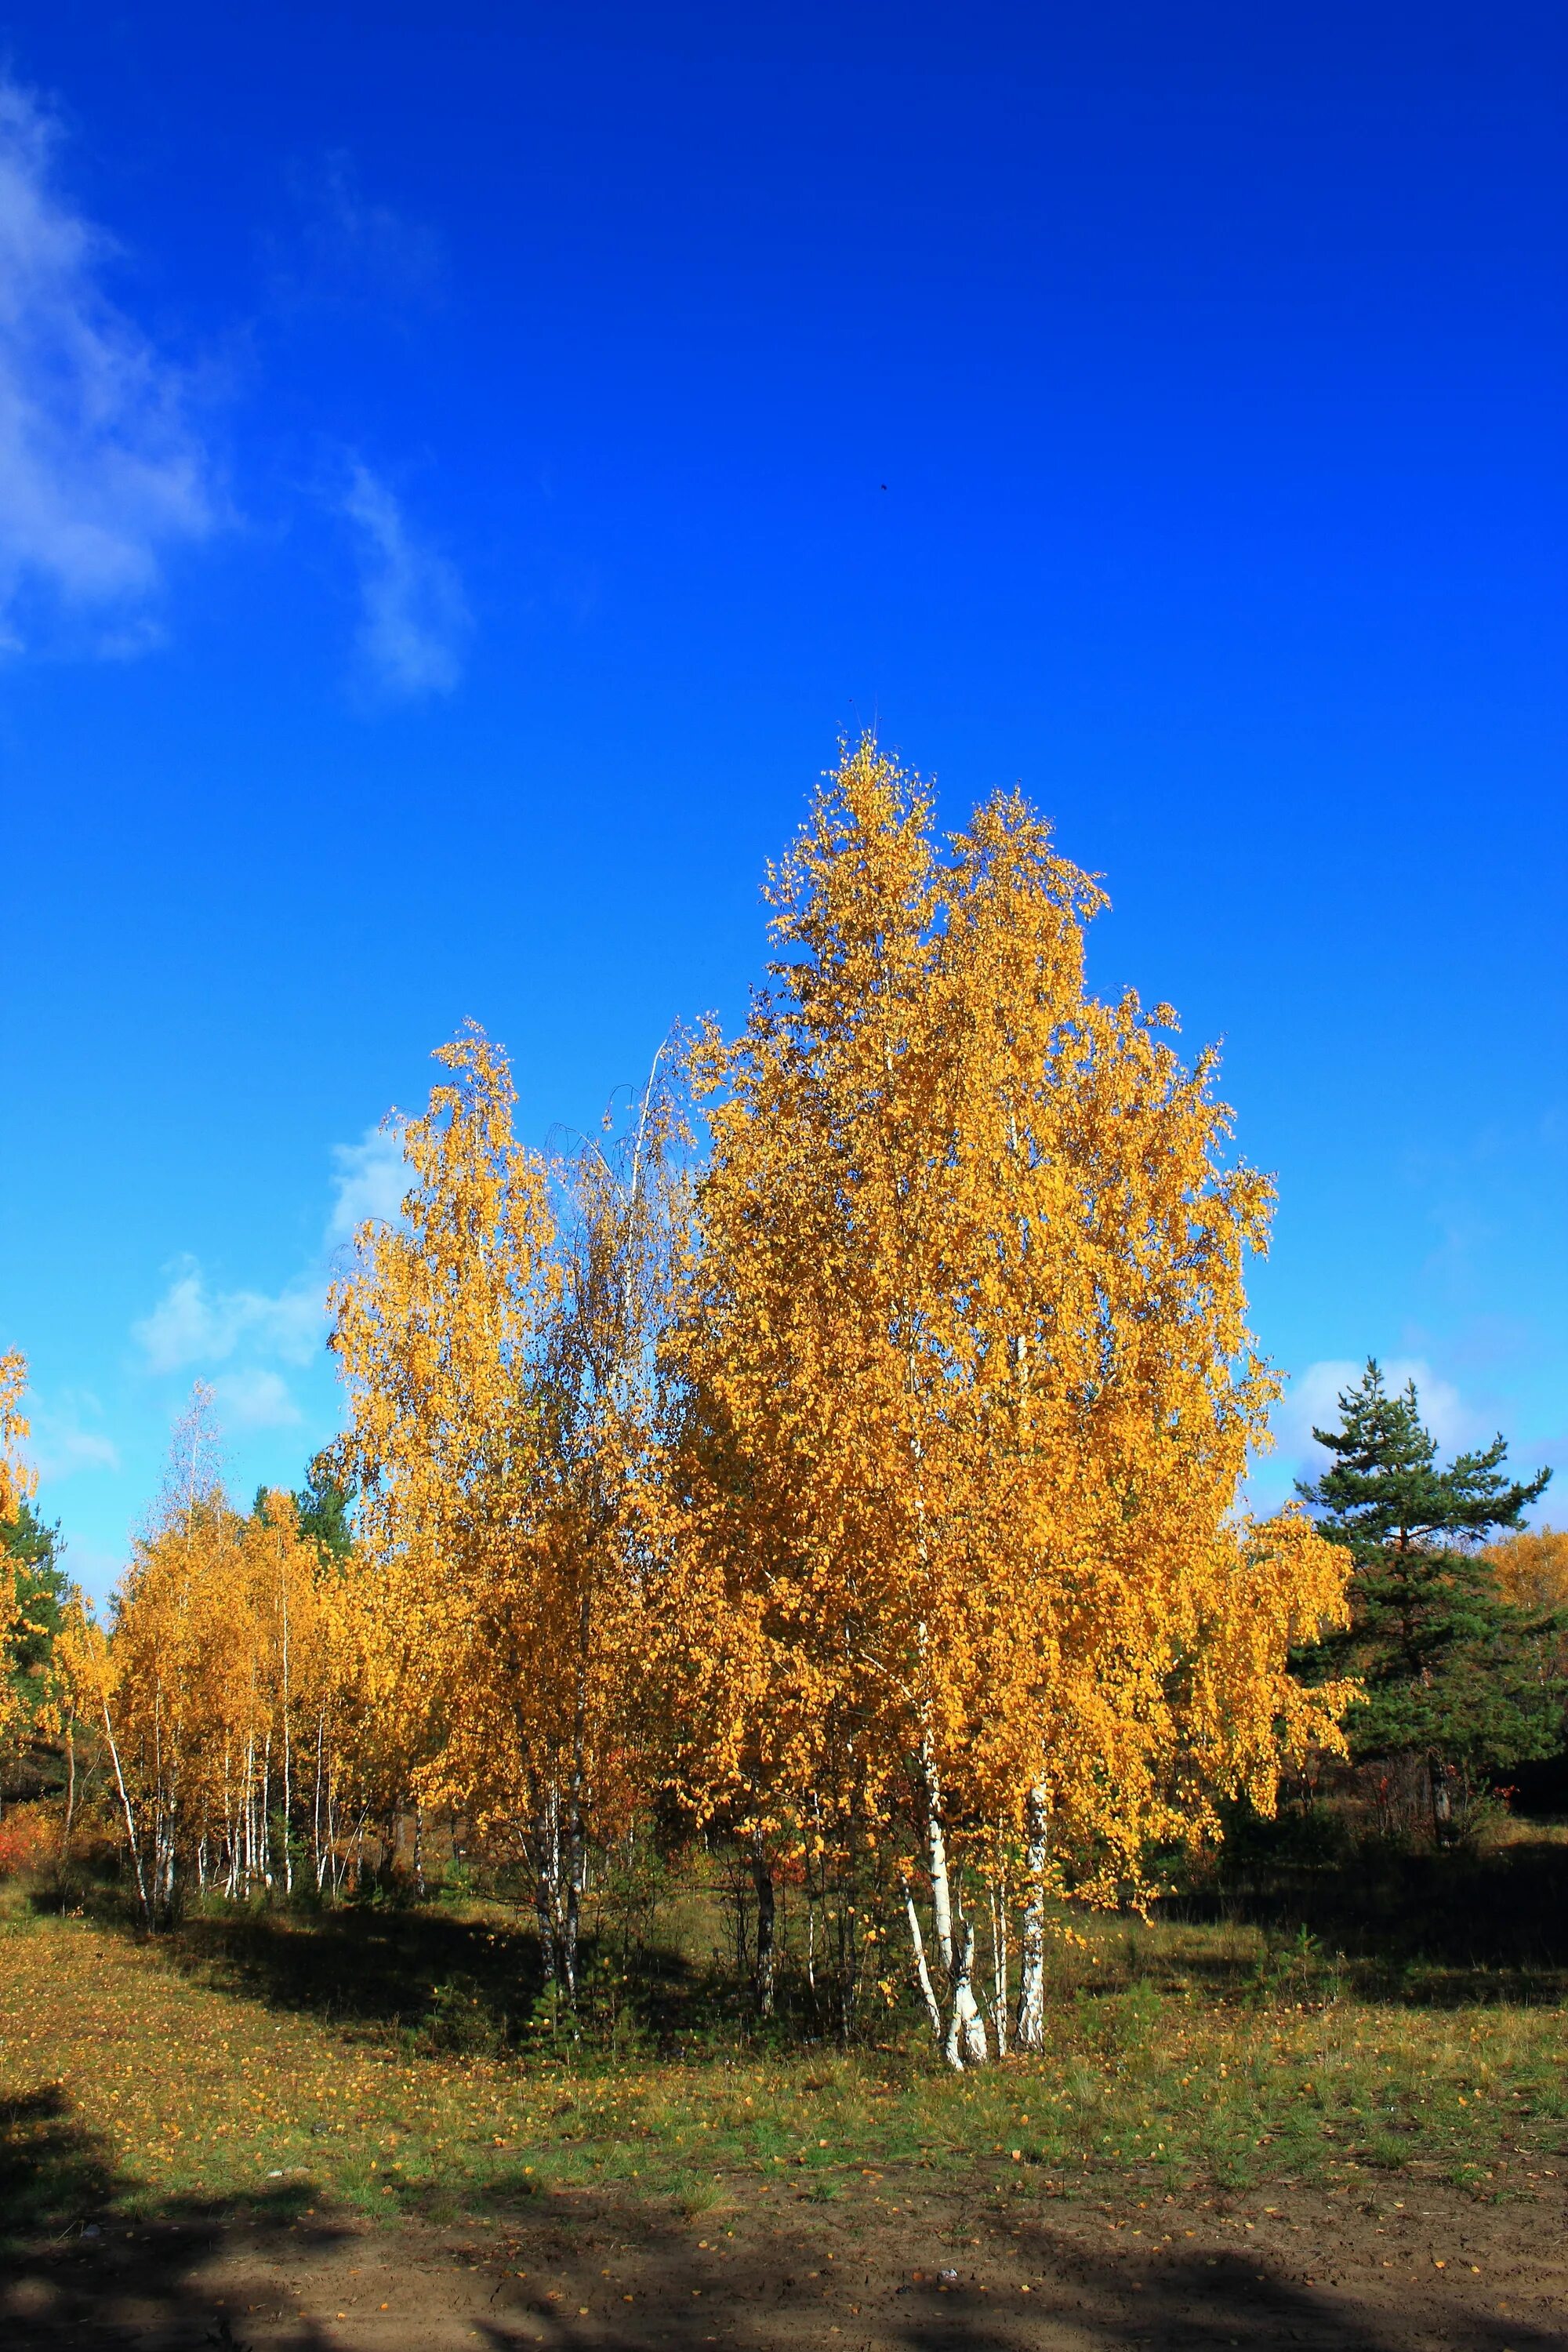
x: 414, y: 621
x: 65, y: 1439
x: 193, y: 1325
x: 1312, y: 1402
x: 100, y: 469
x: 254, y: 1399
x: 370, y: 1179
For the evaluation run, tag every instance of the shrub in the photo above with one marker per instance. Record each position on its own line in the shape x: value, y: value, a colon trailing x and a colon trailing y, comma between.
x: 29, y: 1839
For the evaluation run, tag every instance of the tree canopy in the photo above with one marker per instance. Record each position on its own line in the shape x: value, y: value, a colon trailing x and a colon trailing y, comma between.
x: 1453, y: 1672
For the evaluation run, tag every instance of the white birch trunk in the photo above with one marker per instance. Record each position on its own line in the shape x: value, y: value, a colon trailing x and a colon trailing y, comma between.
x: 130, y: 1817
x: 922, y: 1973
x: 999, y: 1964
x: 1031, y: 2027
x: 965, y: 2044
x: 288, y: 1750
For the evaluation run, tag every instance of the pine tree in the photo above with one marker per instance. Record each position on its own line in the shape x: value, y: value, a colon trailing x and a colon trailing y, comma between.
x: 29, y: 1558
x: 1454, y: 1675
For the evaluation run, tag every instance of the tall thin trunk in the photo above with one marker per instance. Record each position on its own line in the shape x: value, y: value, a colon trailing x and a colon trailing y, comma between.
x: 965, y: 2044
x: 419, y: 1851
x: 288, y: 1759
x: 130, y: 1818
x: 577, y: 1790
x: 998, y: 1894
x: 70, y: 1788
x: 922, y: 1973
x: 1031, y: 2026
x: 763, y: 1883
x: 547, y: 1861
x: 267, y: 1807
x: 316, y: 1801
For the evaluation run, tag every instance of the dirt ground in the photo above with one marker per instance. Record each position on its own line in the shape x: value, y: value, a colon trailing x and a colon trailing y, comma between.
x: 898, y: 2263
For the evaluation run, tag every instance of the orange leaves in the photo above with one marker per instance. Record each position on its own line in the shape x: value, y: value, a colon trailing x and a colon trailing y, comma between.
x: 499, y: 1349
x: 968, y: 1357
x: 879, y: 1493
x: 432, y: 1327
x: 17, y: 1478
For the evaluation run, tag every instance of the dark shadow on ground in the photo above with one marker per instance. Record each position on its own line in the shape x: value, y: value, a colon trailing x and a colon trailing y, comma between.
x: 86, y: 2263
x: 389, y: 1966
x: 78, y: 2248
x: 1435, y: 1926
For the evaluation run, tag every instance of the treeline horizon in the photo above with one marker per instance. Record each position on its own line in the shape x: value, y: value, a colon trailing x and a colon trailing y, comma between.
x: 841, y: 1454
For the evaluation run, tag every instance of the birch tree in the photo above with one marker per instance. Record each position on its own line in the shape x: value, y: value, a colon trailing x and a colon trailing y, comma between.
x: 218, y: 1650
x: 499, y: 1346
x: 971, y: 1391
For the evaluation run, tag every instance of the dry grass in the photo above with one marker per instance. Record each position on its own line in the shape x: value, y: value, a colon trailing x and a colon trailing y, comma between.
x: 186, y: 2089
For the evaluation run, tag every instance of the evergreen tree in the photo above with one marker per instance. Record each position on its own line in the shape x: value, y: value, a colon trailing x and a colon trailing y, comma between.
x: 322, y: 1506
x: 1454, y: 1675
x: 30, y: 1553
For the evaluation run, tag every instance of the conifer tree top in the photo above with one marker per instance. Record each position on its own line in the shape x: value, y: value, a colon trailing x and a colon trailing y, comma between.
x: 1385, y: 1483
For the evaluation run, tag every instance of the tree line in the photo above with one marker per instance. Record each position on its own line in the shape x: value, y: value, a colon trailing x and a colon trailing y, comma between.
x: 838, y: 1455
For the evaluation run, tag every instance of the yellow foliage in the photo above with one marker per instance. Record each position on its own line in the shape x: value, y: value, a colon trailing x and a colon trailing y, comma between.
x: 1533, y: 1567
x: 18, y: 1481
x: 971, y: 1384
x: 217, y: 1693
x: 880, y: 1497
x: 494, y: 1345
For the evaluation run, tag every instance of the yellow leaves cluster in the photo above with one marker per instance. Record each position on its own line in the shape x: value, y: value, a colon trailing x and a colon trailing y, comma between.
x: 971, y: 1384
x: 16, y: 1477
x: 1533, y: 1567
x: 218, y: 1692
x: 881, y: 1495
x: 497, y: 1347
x: 432, y: 1328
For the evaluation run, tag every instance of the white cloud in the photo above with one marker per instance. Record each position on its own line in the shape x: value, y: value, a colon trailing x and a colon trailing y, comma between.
x: 1312, y: 1400
x: 62, y: 1445
x: 254, y: 1398
x: 372, y: 1177
x: 413, y: 622
x: 192, y: 1325
x: 100, y: 468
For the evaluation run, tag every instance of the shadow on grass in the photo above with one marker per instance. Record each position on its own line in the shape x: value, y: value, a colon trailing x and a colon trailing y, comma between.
x: 465, y: 1985
x: 87, y: 2261
x: 82, y: 2254
x: 1437, y: 1928
x: 419, y: 1969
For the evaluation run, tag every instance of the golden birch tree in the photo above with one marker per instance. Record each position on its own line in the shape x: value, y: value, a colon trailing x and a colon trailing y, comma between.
x: 498, y: 1348
x: 431, y: 1325
x: 971, y: 1394
x: 216, y: 1658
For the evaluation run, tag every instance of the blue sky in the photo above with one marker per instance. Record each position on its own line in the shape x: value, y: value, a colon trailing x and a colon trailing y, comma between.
x: 458, y: 477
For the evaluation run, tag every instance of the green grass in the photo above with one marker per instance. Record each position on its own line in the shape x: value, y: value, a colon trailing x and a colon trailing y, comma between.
x: 1178, y: 2056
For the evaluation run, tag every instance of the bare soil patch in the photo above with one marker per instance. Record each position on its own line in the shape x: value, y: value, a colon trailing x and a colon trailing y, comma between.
x: 897, y: 2262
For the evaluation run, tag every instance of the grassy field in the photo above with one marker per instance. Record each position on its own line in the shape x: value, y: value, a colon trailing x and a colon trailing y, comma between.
x: 265, y: 2061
